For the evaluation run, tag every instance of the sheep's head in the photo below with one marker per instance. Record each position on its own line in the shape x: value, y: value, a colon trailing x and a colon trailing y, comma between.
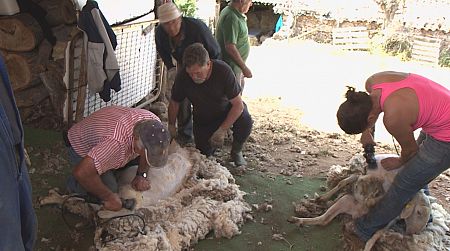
x: 416, y: 213
x: 368, y: 190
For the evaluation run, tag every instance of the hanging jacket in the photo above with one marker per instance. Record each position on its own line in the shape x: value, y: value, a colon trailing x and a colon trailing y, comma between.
x: 102, y: 66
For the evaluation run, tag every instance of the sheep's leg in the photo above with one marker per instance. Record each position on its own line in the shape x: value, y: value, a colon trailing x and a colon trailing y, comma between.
x: 53, y: 198
x: 371, y: 242
x: 343, y: 183
x: 346, y: 204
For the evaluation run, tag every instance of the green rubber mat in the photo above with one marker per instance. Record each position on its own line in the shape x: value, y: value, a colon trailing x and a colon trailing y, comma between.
x: 281, y: 191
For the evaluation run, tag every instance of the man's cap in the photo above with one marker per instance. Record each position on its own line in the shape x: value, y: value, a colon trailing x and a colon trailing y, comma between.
x: 156, y: 139
x: 168, y: 12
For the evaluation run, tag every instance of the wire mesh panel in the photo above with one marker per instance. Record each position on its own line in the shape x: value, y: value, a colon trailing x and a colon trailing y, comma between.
x: 137, y: 57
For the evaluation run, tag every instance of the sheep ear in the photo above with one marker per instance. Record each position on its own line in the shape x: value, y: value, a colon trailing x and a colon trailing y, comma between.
x: 407, y: 211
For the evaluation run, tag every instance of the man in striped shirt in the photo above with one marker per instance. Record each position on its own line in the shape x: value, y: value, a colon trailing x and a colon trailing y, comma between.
x: 108, y: 140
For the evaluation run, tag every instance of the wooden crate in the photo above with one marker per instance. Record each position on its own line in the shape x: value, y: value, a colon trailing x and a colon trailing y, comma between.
x: 426, y: 49
x: 351, y: 38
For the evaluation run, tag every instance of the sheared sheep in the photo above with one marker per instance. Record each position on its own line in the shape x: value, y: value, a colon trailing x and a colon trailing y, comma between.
x: 189, y: 198
x: 367, y: 190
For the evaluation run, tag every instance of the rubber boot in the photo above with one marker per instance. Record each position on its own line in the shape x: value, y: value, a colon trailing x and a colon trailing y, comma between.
x: 236, y: 154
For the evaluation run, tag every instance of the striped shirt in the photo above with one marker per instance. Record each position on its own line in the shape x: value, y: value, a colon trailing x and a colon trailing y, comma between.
x: 107, y: 136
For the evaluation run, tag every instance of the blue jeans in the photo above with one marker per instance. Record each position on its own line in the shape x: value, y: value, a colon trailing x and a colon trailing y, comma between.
x: 17, y: 217
x: 431, y: 160
x: 108, y: 178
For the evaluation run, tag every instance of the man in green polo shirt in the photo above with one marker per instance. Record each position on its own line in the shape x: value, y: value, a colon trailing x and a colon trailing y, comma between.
x: 232, y: 36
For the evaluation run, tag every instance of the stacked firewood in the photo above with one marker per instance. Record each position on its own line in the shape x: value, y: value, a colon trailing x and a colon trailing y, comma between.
x: 35, y: 61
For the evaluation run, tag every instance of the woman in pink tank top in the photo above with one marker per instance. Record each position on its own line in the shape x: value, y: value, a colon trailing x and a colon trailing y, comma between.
x: 409, y: 102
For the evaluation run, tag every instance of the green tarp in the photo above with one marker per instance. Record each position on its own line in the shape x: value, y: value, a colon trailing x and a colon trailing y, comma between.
x: 281, y: 191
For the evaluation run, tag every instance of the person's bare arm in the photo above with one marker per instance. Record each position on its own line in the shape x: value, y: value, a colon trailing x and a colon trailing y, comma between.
x: 173, y: 111
x: 140, y: 183
x: 384, y: 77
x: 234, y: 54
x: 399, y: 126
x: 367, y: 137
x: 86, y: 174
x: 237, y: 106
x: 369, y: 83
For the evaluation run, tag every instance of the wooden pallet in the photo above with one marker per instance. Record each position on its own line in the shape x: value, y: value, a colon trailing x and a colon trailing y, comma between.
x: 351, y: 38
x: 426, y: 49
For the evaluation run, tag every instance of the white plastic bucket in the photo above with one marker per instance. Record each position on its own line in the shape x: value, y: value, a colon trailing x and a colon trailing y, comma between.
x: 8, y: 7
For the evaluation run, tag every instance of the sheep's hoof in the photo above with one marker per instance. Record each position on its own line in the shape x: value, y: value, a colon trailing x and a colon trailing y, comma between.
x: 295, y: 220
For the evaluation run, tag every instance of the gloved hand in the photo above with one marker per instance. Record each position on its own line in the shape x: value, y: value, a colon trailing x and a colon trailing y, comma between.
x: 218, y: 138
x: 172, y: 131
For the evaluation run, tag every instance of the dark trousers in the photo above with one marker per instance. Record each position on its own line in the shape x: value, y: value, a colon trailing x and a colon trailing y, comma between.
x: 184, y: 120
x: 241, y: 128
x: 108, y: 178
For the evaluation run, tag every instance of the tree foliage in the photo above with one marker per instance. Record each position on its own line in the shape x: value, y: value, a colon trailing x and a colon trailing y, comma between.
x: 188, y: 7
x: 389, y: 7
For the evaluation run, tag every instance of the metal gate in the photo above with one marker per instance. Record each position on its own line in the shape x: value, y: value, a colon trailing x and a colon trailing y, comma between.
x: 140, y: 72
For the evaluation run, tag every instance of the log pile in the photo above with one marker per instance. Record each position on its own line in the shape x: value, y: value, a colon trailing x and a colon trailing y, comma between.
x: 36, y: 66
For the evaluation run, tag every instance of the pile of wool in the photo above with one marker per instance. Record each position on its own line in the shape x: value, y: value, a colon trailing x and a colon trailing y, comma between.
x: 204, y: 198
x: 336, y: 173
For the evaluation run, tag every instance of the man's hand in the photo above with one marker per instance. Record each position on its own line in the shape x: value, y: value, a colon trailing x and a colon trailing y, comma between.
x: 140, y: 183
x: 172, y: 131
x: 247, y: 73
x: 391, y: 163
x: 112, y: 202
x: 218, y: 138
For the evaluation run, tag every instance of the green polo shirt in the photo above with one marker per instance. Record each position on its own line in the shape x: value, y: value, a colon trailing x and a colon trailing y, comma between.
x: 232, y: 28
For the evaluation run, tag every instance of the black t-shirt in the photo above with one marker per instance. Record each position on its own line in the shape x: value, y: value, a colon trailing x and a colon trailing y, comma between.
x: 211, y: 99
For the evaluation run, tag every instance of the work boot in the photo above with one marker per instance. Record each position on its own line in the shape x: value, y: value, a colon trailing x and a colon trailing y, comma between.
x: 236, y: 154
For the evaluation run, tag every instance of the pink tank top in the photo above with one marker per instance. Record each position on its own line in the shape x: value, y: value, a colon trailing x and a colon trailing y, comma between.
x: 434, y: 104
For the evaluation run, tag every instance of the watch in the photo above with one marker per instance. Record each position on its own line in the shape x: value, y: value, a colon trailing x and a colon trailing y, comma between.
x: 142, y: 174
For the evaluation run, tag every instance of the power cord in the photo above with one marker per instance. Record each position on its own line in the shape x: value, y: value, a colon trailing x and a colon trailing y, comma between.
x: 64, y: 212
x: 395, y: 146
x: 106, y: 236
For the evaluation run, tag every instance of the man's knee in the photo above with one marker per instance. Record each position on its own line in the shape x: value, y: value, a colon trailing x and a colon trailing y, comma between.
x: 110, y: 181
x: 204, y: 147
x: 243, y: 126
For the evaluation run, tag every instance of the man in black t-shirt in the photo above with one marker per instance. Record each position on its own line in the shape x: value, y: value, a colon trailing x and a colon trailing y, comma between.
x: 212, y: 88
x: 174, y: 34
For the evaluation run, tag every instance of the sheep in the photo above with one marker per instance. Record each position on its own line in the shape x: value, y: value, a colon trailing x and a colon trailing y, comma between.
x: 189, y: 198
x: 208, y: 200
x: 367, y: 190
